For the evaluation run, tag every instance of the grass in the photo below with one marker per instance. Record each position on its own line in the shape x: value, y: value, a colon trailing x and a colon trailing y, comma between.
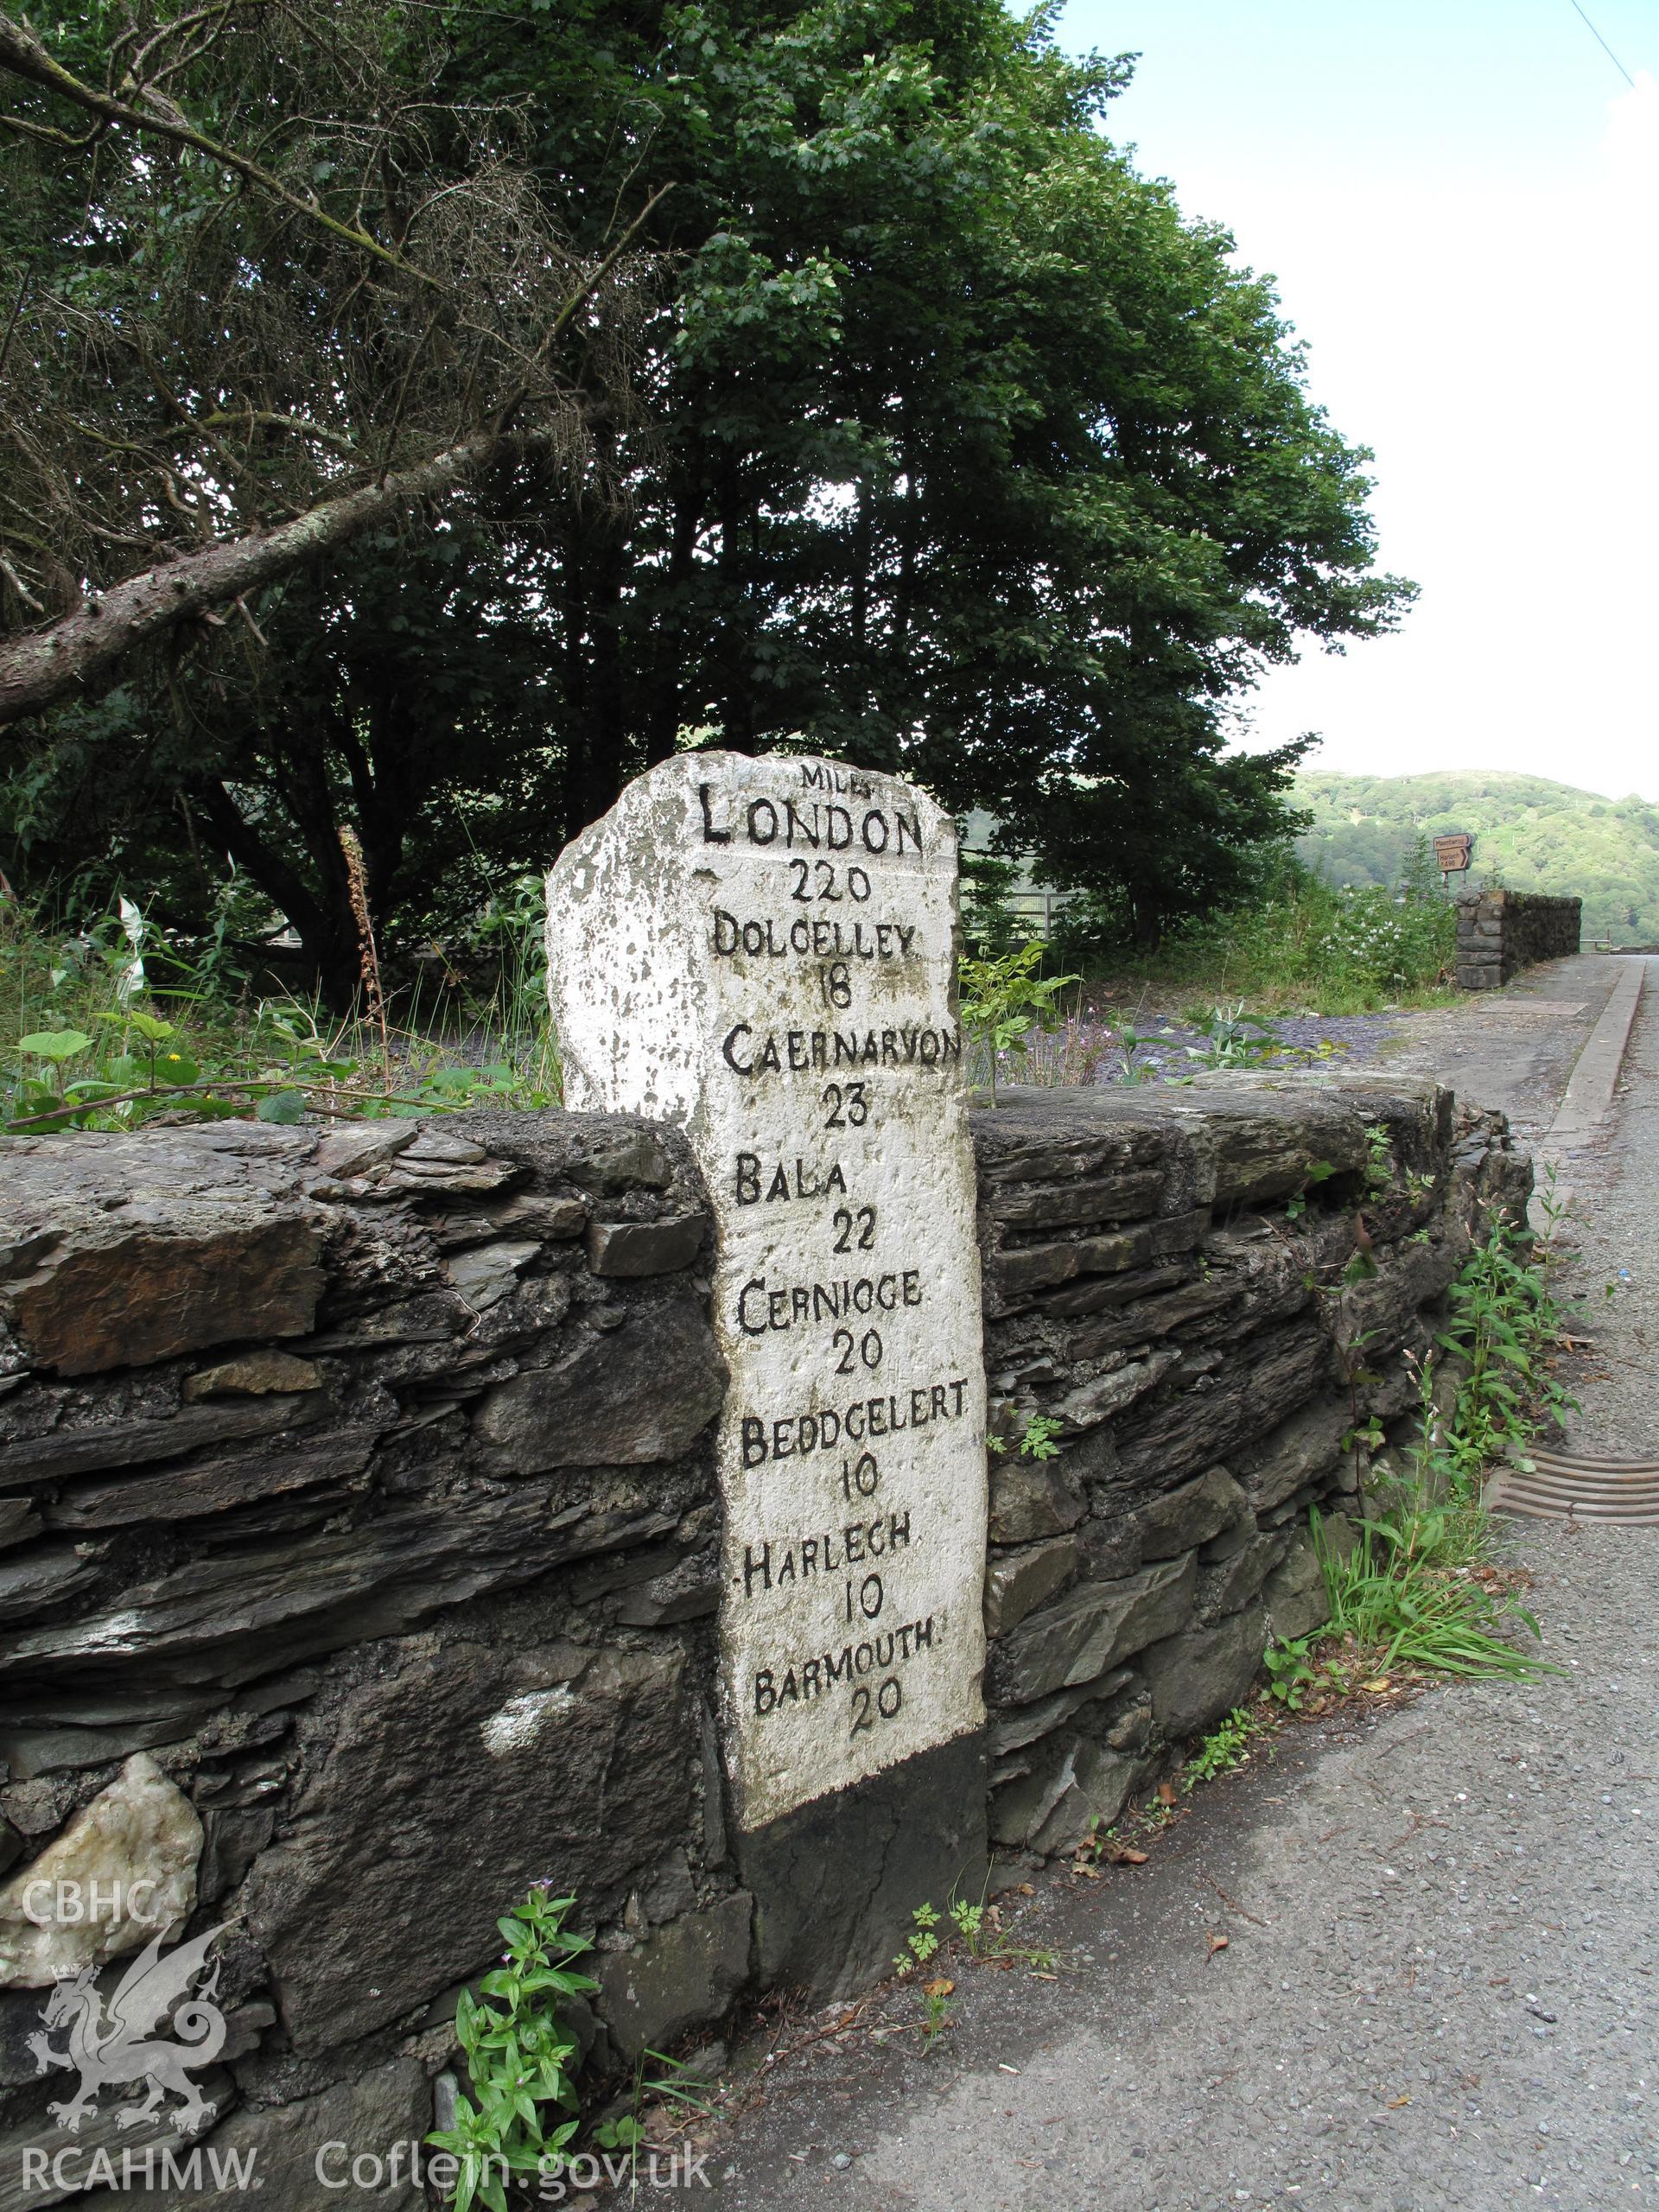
x: 1302, y: 946
x: 110, y: 1026
x: 1421, y: 1590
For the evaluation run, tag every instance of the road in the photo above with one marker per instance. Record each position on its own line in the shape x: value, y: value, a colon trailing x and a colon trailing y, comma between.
x: 1439, y: 1987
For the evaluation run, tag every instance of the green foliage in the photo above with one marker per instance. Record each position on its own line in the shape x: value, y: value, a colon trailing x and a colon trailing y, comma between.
x: 1002, y: 999
x: 518, y: 2056
x: 938, y: 2006
x: 104, y: 1056
x: 1296, y: 941
x: 1316, y: 1172
x: 939, y: 440
x: 1503, y: 1322
x: 1292, y: 1670
x: 989, y: 924
x: 655, y: 2074
x: 921, y: 1944
x: 1227, y: 1745
x: 1417, y: 1589
x: 1232, y: 1039
x: 1538, y: 835
x: 1038, y: 1440
x: 1406, y: 1595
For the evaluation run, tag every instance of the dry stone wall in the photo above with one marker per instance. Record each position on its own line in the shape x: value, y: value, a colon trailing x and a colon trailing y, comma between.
x: 360, y: 1544
x: 1168, y: 1290
x: 1500, y: 932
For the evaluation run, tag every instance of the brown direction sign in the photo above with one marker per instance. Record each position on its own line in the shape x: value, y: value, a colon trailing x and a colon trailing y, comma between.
x: 1451, y: 853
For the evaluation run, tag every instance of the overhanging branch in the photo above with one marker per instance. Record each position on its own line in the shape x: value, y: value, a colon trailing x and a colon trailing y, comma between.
x: 38, y: 669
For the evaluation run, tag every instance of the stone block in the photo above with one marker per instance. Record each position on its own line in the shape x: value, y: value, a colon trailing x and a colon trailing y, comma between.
x: 300, y: 2153
x: 214, y: 1485
x: 1296, y: 1594
x: 103, y: 2140
x: 640, y: 1392
x: 1075, y: 1203
x: 1089, y: 1629
x: 486, y: 1274
x: 39, y: 1577
x: 1075, y: 1781
x: 1300, y: 1449
x: 1098, y: 1399
x: 18, y: 1520
x: 1165, y: 1527
x: 1015, y: 1726
x: 124, y: 1291
x: 835, y: 1882
x: 231, y: 1615
x: 252, y: 1375
x: 576, y: 1756
x: 1204, y: 1672
x: 1232, y: 1582
x: 141, y: 1830
x: 632, y: 1249
x: 683, y: 1974
x: 1032, y: 1498
x: 1017, y: 1581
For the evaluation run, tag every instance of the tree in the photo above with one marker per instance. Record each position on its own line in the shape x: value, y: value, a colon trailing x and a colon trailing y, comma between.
x: 916, y: 427
x: 270, y: 295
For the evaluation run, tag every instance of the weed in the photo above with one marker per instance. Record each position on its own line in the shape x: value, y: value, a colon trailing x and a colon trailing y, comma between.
x: 920, y: 1944
x: 1038, y: 1442
x: 937, y: 2008
x: 1001, y: 1000
x: 518, y: 2055
x: 1232, y: 1039
x: 1317, y: 1171
x: 1300, y: 943
x: 1504, y: 1321
x: 119, y: 1024
x: 1379, y: 1158
x: 1292, y: 1670
x: 1227, y: 1745
x: 671, y: 2081
x: 980, y: 1927
x: 1416, y: 1592
x: 1400, y: 1599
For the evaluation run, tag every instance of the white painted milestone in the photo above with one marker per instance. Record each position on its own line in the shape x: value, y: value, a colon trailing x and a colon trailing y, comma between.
x: 764, y: 951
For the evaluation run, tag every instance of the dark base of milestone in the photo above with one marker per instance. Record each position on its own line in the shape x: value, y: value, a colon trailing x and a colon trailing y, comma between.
x: 836, y: 1882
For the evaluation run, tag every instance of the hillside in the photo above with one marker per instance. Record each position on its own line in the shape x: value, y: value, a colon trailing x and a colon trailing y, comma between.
x: 1536, y: 835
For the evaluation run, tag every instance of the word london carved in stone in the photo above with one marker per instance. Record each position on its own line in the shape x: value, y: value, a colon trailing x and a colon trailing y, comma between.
x: 764, y: 951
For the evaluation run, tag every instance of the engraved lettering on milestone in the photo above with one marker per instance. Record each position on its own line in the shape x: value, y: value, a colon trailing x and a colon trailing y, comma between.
x: 764, y: 951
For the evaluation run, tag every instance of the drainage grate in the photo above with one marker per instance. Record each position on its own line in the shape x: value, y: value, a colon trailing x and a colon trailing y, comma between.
x: 1582, y: 1487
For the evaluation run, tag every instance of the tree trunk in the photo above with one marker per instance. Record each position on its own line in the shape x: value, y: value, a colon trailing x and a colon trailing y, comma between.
x: 46, y: 665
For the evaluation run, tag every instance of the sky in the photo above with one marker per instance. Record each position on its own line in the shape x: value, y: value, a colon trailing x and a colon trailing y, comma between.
x: 1459, y: 200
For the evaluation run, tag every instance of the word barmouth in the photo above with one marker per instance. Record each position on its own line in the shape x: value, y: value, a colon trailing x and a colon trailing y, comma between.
x: 798, y: 1434
x: 810, y: 1555
x: 760, y: 1309
x: 815, y: 1677
x: 810, y: 827
x: 805, y: 1049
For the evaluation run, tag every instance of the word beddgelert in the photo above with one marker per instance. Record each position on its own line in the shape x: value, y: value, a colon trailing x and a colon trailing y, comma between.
x: 797, y: 1434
